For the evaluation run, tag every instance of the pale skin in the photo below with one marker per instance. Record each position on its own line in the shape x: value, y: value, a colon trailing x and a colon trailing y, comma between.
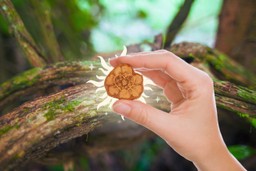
x: 191, y: 127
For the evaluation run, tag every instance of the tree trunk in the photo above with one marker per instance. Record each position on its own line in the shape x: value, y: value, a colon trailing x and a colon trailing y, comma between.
x: 237, y: 31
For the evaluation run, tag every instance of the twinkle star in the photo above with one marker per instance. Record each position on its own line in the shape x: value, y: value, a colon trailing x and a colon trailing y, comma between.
x: 91, y: 66
x: 157, y: 99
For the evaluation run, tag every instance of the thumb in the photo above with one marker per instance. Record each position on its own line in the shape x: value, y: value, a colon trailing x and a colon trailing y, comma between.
x: 141, y: 113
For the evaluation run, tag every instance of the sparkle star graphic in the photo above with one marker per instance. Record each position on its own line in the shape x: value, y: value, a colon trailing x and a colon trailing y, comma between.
x: 157, y: 99
x: 106, y: 68
x: 91, y: 67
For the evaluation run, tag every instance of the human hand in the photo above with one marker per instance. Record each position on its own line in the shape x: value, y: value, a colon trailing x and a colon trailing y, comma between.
x: 191, y: 127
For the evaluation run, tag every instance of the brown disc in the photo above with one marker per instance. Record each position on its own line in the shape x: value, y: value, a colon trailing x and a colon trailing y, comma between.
x: 123, y: 83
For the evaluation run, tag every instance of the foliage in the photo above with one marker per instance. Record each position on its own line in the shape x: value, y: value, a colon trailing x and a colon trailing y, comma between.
x: 241, y: 151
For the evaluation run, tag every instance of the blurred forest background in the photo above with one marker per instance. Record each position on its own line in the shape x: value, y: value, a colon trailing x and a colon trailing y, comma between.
x: 86, y: 28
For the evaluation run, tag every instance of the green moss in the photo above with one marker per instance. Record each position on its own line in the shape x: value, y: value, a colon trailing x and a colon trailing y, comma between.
x: 230, y: 69
x: 244, y: 115
x: 217, y: 61
x: 50, y: 114
x: 52, y: 108
x: 23, y: 80
x: 71, y: 105
x: 7, y: 128
x: 249, y: 118
x: 241, y: 152
x: 247, y: 94
x: 253, y: 122
x: 59, y: 106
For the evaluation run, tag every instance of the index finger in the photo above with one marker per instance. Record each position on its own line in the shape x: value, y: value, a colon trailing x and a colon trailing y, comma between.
x: 163, y: 60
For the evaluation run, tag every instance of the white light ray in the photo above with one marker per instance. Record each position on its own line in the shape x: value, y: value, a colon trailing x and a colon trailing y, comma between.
x: 148, y: 81
x: 103, y: 71
x: 124, y: 53
x: 104, y: 64
x: 112, y: 102
x: 144, y: 95
x: 142, y: 99
x: 104, y: 102
x: 105, y: 95
x: 101, y: 77
x: 148, y: 88
x: 106, y: 69
x: 100, y: 89
x: 97, y: 84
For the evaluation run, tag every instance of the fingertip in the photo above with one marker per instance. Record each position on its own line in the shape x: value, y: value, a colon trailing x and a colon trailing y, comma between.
x: 116, y: 61
x: 113, y: 62
x: 121, y: 107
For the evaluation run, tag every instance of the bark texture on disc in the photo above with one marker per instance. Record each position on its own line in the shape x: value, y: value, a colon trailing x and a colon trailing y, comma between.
x: 123, y: 83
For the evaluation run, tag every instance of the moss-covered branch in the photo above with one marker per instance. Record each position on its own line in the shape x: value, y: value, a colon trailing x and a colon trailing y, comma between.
x: 31, y: 130
x: 36, y: 127
x: 218, y: 64
x: 67, y: 107
x: 21, y: 34
x: 38, y: 81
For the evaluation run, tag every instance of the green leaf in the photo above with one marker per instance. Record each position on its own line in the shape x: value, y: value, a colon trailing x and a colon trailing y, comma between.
x: 241, y: 151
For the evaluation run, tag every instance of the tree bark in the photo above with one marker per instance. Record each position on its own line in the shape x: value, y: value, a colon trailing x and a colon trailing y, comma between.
x: 38, y: 126
x: 177, y: 22
x: 237, y: 31
x: 21, y: 34
x: 42, y: 12
x: 215, y: 63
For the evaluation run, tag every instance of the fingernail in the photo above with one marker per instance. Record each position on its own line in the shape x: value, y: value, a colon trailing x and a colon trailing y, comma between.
x: 121, y: 108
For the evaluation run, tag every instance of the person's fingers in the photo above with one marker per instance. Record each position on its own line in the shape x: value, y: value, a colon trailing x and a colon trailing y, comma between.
x: 172, y: 92
x: 145, y: 52
x: 169, y: 86
x: 175, y: 67
x: 142, y: 114
x: 158, y: 77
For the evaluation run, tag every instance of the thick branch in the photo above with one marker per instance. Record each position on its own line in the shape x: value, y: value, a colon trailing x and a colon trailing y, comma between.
x: 218, y: 64
x: 21, y: 34
x: 42, y: 13
x: 60, y: 75
x: 177, y: 22
x: 31, y: 130
x: 37, y: 80
x: 38, y: 126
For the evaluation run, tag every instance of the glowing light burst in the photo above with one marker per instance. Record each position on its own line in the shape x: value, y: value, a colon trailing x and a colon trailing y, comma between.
x: 106, y: 69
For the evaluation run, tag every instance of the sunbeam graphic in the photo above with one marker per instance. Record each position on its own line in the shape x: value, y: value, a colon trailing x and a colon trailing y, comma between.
x: 99, y: 83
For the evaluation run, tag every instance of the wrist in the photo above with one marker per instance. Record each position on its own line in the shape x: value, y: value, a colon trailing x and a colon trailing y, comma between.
x: 219, y: 159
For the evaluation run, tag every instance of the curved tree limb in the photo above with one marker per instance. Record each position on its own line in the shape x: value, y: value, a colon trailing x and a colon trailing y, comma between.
x: 78, y: 72
x: 38, y: 126
x: 21, y: 34
x: 217, y: 64
x: 36, y: 80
